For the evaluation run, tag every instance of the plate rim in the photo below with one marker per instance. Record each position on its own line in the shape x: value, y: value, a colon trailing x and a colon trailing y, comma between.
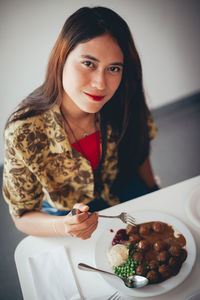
x: 162, y: 285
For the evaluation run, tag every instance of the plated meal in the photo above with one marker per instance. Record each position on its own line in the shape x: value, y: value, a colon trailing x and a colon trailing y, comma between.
x: 151, y: 249
x: 159, y: 247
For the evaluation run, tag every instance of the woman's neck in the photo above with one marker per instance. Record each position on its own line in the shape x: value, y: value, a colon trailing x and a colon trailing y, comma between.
x: 77, y: 122
x: 73, y: 113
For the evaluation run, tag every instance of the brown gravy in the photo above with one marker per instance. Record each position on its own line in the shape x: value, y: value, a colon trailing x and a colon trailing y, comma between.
x: 159, y: 250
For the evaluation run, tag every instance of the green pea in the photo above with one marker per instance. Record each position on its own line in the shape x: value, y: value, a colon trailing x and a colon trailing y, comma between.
x: 128, y: 245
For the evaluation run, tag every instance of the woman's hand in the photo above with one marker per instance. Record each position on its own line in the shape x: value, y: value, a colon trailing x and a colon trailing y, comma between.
x: 39, y: 223
x: 82, y: 225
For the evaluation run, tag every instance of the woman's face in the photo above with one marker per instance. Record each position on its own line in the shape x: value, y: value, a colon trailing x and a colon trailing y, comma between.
x: 92, y: 73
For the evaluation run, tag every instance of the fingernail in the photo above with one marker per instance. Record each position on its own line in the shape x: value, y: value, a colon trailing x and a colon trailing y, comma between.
x: 85, y: 207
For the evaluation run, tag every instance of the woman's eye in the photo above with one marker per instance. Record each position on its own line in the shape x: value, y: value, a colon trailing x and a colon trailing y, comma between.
x: 114, y: 69
x: 88, y: 63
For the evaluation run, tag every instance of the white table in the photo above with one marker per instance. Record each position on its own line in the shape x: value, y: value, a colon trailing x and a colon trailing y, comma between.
x: 170, y: 200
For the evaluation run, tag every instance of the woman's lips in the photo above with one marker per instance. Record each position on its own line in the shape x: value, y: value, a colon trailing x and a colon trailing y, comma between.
x: 95, y: 97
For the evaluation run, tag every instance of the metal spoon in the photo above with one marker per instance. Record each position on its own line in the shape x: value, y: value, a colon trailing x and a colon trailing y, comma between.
x: 133, y: 281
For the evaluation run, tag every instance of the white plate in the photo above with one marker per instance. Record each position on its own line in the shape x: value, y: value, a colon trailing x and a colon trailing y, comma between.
x: 104, y: 243
x: 193, y: 207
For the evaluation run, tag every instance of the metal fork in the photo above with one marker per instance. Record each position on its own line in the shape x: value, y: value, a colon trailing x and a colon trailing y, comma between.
x: 115, y: 296
x: 124, y: 217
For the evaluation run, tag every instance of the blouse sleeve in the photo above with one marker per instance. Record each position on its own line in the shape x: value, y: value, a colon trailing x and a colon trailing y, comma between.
x: 21, y: 189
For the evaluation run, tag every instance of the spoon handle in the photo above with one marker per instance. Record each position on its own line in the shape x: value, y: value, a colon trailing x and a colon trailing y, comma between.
x: 85, y: 267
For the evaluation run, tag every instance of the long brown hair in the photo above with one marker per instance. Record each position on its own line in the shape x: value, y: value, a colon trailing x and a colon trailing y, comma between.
x: 127, y: 110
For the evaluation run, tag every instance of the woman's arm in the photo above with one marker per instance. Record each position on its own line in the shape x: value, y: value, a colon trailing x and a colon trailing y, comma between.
x: 22, y: 191
x: 81, y: 225
x: 146, y: 173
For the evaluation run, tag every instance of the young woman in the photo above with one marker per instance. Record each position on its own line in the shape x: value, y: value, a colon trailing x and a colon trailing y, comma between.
x: 82, y: 139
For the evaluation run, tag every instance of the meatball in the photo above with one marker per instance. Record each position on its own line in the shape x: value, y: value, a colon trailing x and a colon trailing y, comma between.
x: 165, y: 271
x: 162, y: 256
x: 183, y: 255
x: 138, y: 256
x: 141, y: 270
x: 143, y: 245
x: 134, y: 238
x: 158, y: 227
x: 159, y: 245
x: 152, y: 276
x: 131, y: 229
x: 145, y: 229
x: 175, y: 271
x: 175, y: 250
x: 153, y: 264
x: 173, y: 262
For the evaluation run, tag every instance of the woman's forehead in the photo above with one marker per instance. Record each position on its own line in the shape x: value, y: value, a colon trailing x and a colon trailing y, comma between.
x: 103, y: 47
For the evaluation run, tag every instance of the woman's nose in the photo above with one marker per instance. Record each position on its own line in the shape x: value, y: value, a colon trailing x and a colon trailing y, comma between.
x: 98, y: 80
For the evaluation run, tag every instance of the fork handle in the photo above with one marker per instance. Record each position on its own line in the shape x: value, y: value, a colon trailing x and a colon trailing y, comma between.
x: 74, y: 212
x: 102, y: 216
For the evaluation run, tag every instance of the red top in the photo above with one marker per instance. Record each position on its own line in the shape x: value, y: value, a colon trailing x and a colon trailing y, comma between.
x: 89, y: 148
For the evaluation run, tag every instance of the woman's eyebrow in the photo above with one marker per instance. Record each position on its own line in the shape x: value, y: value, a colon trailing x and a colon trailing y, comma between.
x: 90, y: 57
x: 96, y: 59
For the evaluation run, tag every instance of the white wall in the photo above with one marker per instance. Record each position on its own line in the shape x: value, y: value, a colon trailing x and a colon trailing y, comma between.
x: 165, y: 32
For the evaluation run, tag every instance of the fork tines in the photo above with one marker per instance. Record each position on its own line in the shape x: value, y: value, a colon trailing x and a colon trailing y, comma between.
x: 115, y: 296
x: 129, y: 220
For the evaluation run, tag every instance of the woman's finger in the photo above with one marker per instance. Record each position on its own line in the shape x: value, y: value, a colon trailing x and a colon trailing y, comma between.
x: 81, y: 206
x: 89, y: 225
x: 84, y: 234
x: 81, y: 222
x: 76, y: 219
x: 87, y: 234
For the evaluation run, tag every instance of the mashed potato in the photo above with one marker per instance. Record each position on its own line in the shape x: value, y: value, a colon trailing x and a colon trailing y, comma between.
x: 117, y: 255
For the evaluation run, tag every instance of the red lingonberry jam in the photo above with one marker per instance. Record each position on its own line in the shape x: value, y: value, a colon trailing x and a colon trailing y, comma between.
x: 120, y: 237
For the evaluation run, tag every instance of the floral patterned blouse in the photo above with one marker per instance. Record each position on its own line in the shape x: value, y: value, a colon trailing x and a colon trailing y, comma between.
x: 41, y: 164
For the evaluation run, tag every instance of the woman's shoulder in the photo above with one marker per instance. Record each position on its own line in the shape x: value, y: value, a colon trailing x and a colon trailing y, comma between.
x: 50, y: 119
x: 37, y: 136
